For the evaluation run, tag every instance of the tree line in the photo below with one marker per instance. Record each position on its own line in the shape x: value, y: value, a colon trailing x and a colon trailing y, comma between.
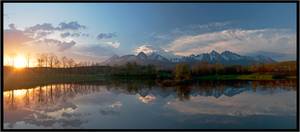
x: 185, y: 71
x: 50, y: 60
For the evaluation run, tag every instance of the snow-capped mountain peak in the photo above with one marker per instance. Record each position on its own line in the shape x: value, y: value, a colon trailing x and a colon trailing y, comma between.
x: 156, y: 56
x: 142, y: 56
x: 213, y: 52
x: 161, y: 57
x: 214, y: 55
x: 228, y: 55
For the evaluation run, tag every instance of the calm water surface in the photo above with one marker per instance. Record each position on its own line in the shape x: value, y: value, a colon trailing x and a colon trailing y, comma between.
x: 126, y: 104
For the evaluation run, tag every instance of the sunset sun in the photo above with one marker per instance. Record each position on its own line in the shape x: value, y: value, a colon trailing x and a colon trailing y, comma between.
x: 20, y: 62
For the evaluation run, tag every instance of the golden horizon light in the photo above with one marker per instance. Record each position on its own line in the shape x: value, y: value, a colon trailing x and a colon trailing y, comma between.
x: 20, y: 62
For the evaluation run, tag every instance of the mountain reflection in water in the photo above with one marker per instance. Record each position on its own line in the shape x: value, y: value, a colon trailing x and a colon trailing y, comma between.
x: 135, y: 104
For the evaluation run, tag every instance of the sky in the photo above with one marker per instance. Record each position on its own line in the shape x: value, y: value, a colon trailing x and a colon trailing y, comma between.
x: 97, y: 31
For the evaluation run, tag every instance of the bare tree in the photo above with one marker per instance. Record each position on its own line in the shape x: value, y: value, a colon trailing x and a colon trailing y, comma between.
x: 44, y: 58
x: 51, y: 58
x: 28, y: 59
x: 64, y: 61
x: 12, y: 59
x: 71, y: 63
x: 40, y: 60
x: 56, y: 62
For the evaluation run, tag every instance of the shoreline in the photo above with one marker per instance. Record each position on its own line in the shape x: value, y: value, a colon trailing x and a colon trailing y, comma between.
x: 11, y: 83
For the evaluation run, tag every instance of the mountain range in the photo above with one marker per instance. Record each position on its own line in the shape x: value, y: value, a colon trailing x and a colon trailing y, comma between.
x: 167, y: 60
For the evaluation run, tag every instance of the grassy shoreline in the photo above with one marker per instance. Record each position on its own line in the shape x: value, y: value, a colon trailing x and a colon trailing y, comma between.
x: 243, y: 77
x: 27, y: 81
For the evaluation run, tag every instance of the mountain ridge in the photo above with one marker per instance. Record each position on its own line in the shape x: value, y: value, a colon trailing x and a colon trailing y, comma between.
x: 214, y: 57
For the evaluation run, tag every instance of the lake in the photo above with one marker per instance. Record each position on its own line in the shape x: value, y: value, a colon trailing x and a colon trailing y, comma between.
x: 146, y: 105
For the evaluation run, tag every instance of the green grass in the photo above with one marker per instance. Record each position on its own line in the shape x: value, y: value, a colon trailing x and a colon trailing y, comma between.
x: 255, y: 77
x: 15, y: 82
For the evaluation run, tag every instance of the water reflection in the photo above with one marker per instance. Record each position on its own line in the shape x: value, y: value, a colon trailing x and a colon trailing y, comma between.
x: 114, y: 103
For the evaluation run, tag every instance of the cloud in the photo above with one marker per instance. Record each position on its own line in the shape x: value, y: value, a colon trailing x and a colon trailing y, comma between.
x: 15, y: 39
x: 40, y: 31
x: 200, y: 28
x: 75, y: 35
x: 106, y: 35
x: 146, y: 48
x: 237, y: 40
x: 211, y: 26
x: 42, y: 27
x: 58, y: 39
x: 73, y: 25
x: 114, y: 44
x: 51, y: 41
x: 68, y: 34
x: 25, y: 41
x: 12, y: 26
x: 64, y: 35
x: 186, y: 30
x: 66, y: 45
x: 41, y: 34
x: 61, y: 45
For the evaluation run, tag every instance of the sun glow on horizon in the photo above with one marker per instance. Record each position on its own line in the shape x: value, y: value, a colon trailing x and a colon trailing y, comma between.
x: 20, y: 62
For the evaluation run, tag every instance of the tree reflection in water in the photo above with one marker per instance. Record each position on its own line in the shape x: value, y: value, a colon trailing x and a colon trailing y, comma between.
x: 50, y: 94
x: 54, y: 97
